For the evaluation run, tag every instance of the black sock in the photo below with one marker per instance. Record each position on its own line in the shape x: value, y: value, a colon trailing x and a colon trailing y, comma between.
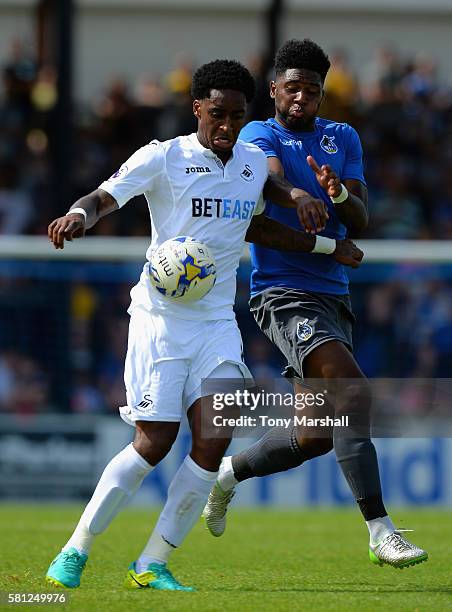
x: 372, y: 507
x: 358, y: 460
x: 276, y: 451
x: 355, y: 451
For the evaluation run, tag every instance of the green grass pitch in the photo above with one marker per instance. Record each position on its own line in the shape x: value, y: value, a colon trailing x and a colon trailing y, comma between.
x: 267, y: 560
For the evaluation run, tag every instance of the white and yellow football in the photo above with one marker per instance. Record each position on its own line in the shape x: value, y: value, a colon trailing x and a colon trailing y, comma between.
x: 183, y: 269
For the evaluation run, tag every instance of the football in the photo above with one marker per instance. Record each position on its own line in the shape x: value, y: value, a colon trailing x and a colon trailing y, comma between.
x: 183, y: 269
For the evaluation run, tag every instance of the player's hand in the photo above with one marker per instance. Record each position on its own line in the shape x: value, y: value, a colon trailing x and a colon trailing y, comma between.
x: 347, y: 253
x: 327, y: 178
x: 66, y: 228
x: 312, y: 213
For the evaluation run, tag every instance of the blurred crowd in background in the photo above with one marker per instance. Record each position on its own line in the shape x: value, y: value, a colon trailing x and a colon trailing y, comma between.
x: 403, y: 114
x: 401, y: 111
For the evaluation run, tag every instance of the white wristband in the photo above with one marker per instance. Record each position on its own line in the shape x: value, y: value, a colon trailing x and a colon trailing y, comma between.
x: 342, y: 196
x: 324, y: 245
x: 80, y: 211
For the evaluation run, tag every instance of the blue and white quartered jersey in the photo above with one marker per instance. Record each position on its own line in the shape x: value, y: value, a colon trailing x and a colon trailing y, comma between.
x: 191, y: 193
x: 336, y: 144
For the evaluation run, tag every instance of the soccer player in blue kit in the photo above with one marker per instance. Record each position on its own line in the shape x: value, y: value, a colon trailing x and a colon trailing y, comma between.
x: 301, y: 301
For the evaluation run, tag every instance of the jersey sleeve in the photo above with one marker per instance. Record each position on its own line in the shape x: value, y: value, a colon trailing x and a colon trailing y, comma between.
x: 353, y: 165
x: 137, y: 175
x: 262, y: 136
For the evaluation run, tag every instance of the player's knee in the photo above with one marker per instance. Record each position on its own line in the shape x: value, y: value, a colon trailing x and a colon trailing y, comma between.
x: 208, y: 453
x: 154, y: 443
x: 315, y: 447
x: 329, y: 371
x: 355, y: 396
x: 153, y: 452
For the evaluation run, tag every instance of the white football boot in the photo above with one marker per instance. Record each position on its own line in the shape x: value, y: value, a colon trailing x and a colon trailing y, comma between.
x: 215, y: 510
x: 396, y: 551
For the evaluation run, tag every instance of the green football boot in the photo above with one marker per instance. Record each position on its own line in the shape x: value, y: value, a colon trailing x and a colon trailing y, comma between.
x: 156, y: 576
x: 66, y: 569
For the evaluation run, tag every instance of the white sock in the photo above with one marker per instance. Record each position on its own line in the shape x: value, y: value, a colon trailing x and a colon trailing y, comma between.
x: 187, y: 496
x: 157, y: 550
x: 226, y: 478
x: 379, y: 529
x: 120, y: 480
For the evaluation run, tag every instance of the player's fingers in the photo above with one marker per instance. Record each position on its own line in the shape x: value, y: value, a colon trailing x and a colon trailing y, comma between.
x: 322, y: 211
x: 71, y: 230
x: 332, y: 181
x: 305, y: 220
x: 358, y: 254
x: 313, y: 165
x: 317, y: 223
x: 333, y: 187
x: 311, y: 221
x: 322, y: 214
x: 50, y: 229
x: 54, y: 233
x: 63, y: 232
x: 58, y: 236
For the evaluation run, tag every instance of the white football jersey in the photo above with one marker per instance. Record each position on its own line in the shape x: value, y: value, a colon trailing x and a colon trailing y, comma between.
x: 191, y: 193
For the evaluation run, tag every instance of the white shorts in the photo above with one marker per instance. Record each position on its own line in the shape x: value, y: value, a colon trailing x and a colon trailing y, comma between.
x: 167, y: 359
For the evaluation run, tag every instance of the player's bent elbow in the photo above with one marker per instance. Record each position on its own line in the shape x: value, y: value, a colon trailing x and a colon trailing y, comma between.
x: 364, y: 221
x: 358, y: 226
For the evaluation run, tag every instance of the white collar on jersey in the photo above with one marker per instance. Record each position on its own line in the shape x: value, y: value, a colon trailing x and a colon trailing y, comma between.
x: 193, y: 138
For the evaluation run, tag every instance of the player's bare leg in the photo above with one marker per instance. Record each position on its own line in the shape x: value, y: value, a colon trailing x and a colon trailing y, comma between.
x: 187, y: 495
x: 120, y: 480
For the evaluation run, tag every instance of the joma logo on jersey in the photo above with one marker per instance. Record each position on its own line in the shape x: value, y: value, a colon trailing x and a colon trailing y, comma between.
x: 193, y: 169
x: 222, y: 207
x: 328, y: 145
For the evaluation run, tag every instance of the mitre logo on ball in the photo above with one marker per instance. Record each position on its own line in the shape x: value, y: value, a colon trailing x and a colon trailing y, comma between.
x: 183, y: 269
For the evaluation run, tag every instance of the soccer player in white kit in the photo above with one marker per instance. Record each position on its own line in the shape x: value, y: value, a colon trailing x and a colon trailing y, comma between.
x: 207, y: 185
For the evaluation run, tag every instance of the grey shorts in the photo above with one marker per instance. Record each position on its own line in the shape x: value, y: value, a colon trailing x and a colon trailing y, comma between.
x: 297, y: 322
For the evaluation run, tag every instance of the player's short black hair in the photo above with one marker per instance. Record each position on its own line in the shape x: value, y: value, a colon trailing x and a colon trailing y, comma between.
x: 302, y: 54
x: 222, y: 74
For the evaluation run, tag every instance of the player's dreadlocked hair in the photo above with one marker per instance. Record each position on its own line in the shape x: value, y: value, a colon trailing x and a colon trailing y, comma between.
x: 222, y: 74
x: 302, y: 54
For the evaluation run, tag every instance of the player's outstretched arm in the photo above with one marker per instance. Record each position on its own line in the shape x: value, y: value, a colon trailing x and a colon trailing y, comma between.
x: 271, y: 234
x: 351, y: 203
x: 96, y: 204
x: 312, y: 212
